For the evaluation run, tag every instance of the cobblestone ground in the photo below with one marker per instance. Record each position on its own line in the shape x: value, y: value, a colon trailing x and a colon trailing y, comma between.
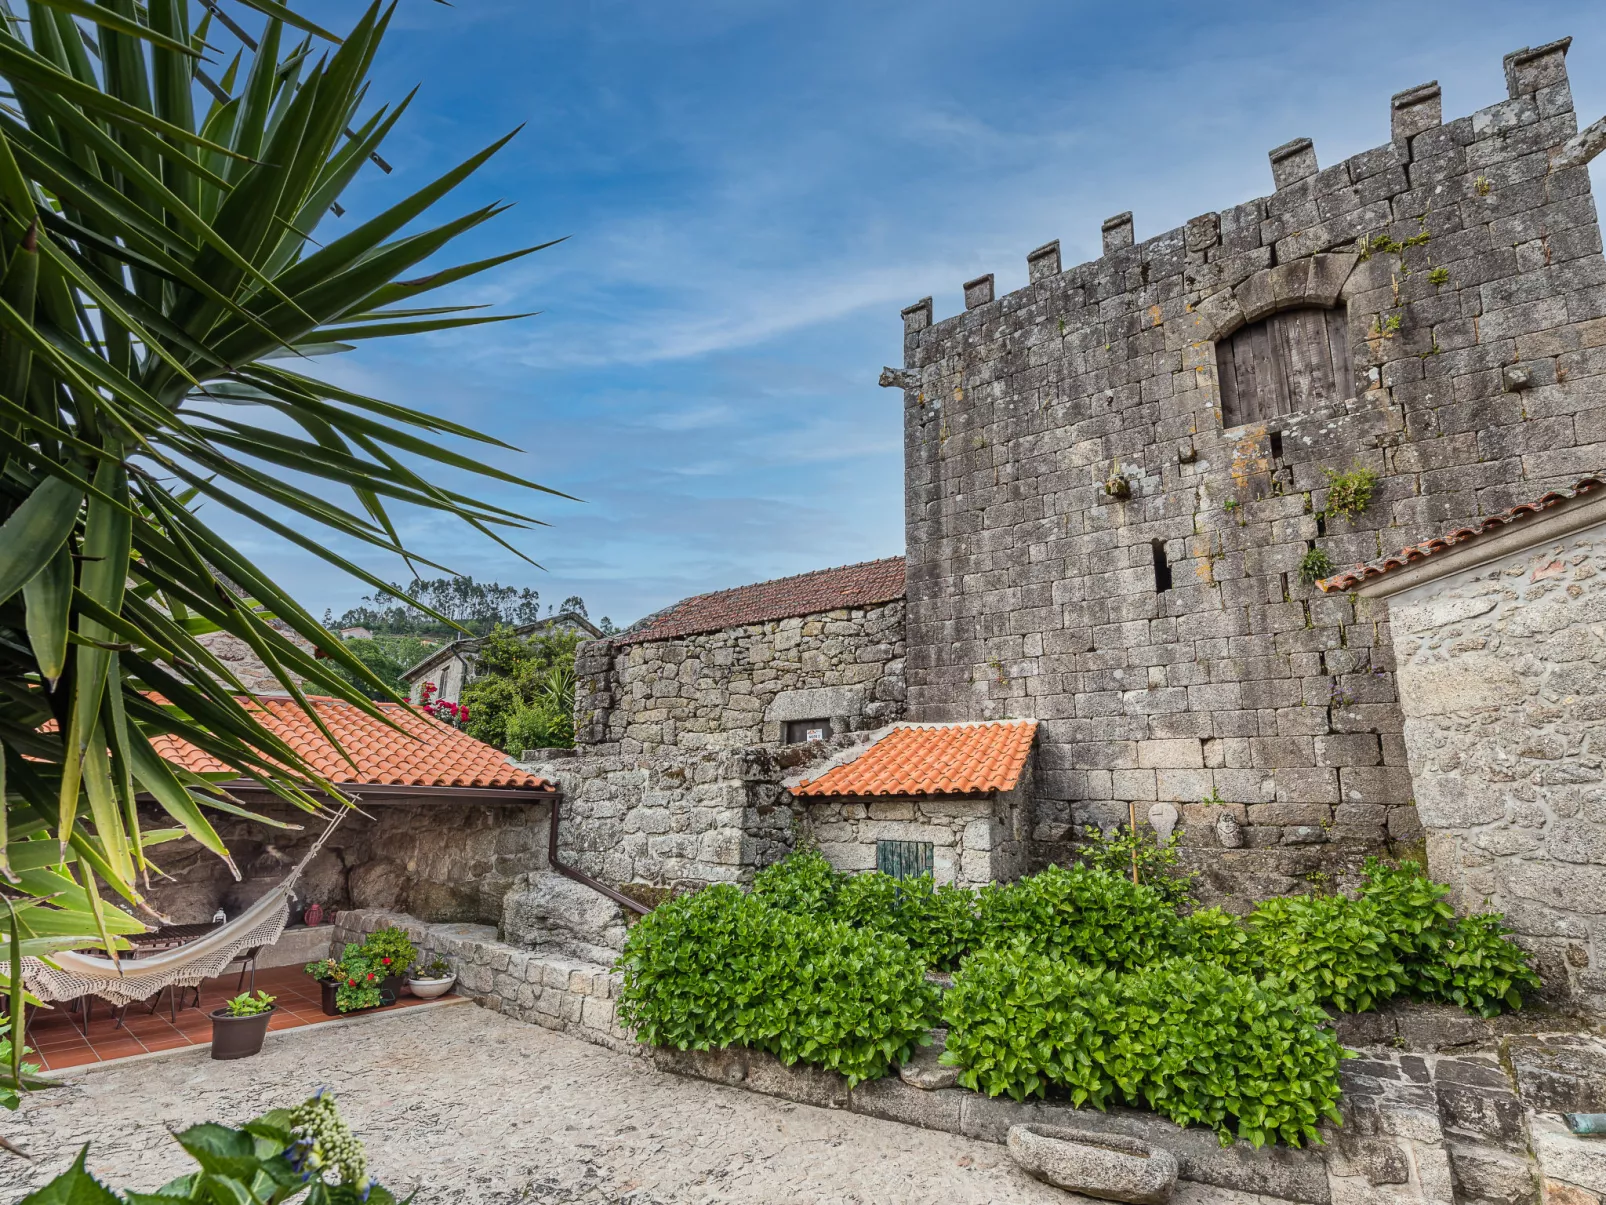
x: 472, y: 1108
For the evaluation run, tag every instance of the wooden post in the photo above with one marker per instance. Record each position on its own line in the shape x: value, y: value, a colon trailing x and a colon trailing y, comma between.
x: 1132, y: 828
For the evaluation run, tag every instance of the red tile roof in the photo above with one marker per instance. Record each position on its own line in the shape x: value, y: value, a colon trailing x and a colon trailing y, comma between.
x: 933, y: 759
x: 1409, y: 555
x: 440, y: 756
x: 862, y: 585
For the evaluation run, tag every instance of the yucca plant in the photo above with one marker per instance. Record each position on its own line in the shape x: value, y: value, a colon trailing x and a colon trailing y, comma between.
x: 162, y: 292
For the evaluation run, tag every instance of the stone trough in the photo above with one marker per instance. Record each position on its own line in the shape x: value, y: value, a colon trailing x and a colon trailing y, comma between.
x: 1107, y: 1166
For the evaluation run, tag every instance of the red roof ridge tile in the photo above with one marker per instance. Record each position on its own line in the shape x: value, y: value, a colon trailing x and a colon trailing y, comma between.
x: 862, y: 584
x: 1348, y: 579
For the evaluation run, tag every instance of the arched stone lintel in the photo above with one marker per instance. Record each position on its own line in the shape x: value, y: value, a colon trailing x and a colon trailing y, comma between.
x: 1316, y: 280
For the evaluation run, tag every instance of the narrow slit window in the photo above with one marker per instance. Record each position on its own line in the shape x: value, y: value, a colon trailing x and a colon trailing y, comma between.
x: 1162, y: 567
x: 1276, y: 441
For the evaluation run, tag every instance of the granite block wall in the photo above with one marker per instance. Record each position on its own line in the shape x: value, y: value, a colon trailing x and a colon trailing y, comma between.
x: 680, y: 744
x: 1063, y: 438
x: 975, y: 840
x: 736, y: 687
x: 442, y: 861
x: 1502, y: 671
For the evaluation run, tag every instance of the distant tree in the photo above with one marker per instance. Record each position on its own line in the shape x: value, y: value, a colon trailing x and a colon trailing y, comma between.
x: 477, y: 606
x: 523, y: 696
x: 576, y: 604
x: 388, y: 657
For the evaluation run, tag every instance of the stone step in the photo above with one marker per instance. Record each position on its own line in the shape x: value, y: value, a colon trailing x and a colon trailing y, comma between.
x: 550, y: 913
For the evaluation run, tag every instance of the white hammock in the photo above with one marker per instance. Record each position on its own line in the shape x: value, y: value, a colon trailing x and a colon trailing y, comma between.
x: 69, y: 975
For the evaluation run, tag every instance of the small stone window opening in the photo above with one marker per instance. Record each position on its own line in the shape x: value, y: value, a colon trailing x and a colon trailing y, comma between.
x: 1292, y: 362
x: 1275, y: 439
x: 1162, y: 567
x: 904, y: 859
x: 800, y: 731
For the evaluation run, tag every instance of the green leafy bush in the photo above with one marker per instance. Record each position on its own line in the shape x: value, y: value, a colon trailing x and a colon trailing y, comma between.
x: 1114, y: 850
x: 1335, y: 947
x: 1211, y: 935
x: 939, y: 923
x: 1314, y: 566
x: 389, y: 950
x: 1190, y: 1040
x: 1079, y: 915
x: 1488, y: 971
x: 1468, y: 961
x: 802, y: 882
x: 722, y: 968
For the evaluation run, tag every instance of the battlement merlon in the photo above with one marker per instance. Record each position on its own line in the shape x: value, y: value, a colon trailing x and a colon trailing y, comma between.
x: 1536, y: 85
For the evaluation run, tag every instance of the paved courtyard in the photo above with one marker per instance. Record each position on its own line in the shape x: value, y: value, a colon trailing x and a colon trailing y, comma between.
x: 472, y: 1108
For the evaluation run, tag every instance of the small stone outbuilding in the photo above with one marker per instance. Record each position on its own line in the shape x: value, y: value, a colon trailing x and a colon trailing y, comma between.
x: 1499, y: 634
x: 949, y: 799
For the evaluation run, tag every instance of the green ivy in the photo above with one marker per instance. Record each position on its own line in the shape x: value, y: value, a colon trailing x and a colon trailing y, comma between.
x: 1191, y: 1041
x: 1079, y: 915
x: 722, y: 968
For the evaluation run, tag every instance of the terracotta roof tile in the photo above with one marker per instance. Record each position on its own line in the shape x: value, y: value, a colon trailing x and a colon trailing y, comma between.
x: 861, y: 585
x: 933, y: 759
x: 440, y: 756
x: 1409, y: 555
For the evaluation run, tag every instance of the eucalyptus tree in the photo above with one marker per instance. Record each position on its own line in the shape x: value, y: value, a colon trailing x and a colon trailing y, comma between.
x: 170, y: 264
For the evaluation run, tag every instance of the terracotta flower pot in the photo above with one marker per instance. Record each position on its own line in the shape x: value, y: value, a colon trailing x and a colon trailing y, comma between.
x: 238, y: 1037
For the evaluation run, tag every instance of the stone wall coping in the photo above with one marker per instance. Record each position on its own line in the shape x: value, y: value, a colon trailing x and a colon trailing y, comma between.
x: 1567, y: 518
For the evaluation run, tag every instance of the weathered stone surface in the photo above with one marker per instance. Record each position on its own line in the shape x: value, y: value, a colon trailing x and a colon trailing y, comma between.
x: 548, y: 911
x: 898, y: 1100
x: 923, y: 1070
x: 1483, y: 1176
x: 444, y: 863
x: 800, y: 1082
x: 1107, y: 1166
x: 1565, y: 1157
x: 1501, y: 666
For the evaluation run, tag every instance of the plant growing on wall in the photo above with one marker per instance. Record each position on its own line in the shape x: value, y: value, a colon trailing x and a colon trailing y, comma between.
x: 1349, y: 493
x: 1314, y: 566
x: 1116, y: 850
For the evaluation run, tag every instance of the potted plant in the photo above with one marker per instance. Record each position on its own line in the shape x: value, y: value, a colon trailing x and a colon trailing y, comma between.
x: 428, y: 980
x: 240, y: 1025
x: 389, y: 952
x: 366, y: 975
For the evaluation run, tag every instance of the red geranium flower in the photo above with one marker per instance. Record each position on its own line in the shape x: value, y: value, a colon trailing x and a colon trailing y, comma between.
x: 386, y: 961
x: 370, y: 974
x: 351, y: 983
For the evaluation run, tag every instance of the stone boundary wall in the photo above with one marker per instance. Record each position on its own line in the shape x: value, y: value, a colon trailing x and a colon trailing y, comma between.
x: 1061, y: 438
x: 1443, y: 1108
x: 732, y: 688
x: 675, y: 818
x: 559, y: 993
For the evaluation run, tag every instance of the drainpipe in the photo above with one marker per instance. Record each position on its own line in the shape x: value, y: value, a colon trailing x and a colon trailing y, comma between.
x: 580, y: 876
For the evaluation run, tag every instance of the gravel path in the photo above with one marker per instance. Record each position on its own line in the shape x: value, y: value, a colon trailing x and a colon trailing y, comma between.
x: 472, y: 1108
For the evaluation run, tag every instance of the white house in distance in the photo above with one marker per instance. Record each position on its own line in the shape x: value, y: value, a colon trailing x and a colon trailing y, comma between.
x: 453, y: 666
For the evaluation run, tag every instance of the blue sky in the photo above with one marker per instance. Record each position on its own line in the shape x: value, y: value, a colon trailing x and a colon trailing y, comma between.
x: 751, y: 191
